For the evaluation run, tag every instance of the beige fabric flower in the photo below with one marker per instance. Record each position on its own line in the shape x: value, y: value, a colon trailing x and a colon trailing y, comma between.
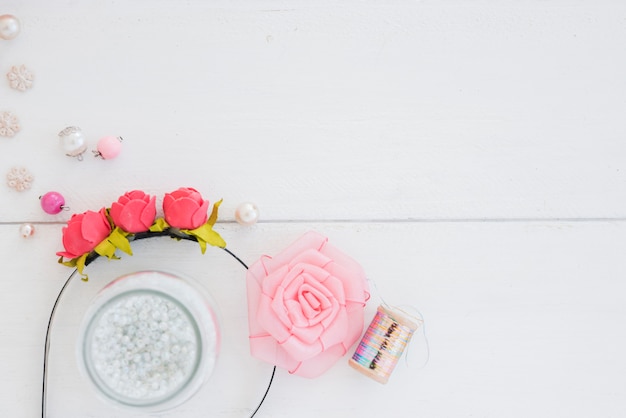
x: 19, y: 179
x: 9, y: 124
x: 20, y: 78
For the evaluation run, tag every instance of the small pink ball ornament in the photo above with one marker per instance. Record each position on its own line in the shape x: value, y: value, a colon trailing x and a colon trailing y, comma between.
x: 52, y: 202
x: 108, y: 147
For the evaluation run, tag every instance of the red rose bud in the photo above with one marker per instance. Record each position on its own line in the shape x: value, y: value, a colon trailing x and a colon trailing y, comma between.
x: 134, y: 211
x: 84, y: 232
x: 185, y: 208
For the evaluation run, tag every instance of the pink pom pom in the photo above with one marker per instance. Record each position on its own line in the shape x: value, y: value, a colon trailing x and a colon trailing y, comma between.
x: 109, y: 147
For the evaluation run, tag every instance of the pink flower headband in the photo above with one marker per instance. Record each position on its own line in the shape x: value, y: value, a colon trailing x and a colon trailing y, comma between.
x: 134, y: 215
x: 305, y: 304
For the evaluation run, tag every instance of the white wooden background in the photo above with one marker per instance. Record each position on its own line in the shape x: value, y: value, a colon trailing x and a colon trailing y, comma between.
x: 471, y: 155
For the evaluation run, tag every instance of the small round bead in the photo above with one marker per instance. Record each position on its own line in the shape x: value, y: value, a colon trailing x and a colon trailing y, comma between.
x: 9, y: 27
x: 27, y: 230
x: 247, y: 214
x: 73, y: 142
x: 109, y: 147
x: 52, y: 202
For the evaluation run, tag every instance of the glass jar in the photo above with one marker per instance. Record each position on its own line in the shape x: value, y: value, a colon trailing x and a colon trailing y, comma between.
x: 149, y: 340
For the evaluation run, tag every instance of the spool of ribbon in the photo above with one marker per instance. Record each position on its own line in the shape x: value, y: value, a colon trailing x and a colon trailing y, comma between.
x: 384, y: 342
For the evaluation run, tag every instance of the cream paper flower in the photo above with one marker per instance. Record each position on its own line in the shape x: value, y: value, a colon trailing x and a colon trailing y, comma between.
x: 20, y: 78
x: 9, y: 124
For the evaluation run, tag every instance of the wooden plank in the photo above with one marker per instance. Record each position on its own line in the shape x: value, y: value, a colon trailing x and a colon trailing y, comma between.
x: 355, y: 111
x: 523, y: 318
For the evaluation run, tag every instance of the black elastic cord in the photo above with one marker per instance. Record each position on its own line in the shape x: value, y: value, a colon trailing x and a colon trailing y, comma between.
x: 92, y: 256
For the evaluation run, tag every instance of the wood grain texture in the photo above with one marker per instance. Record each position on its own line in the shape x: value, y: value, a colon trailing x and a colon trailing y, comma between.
x: 523, y: 319
x: 356, y: 111
x: 470, y: 156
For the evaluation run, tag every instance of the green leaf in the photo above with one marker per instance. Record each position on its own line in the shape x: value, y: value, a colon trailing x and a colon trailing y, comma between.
x: 78, y: 263
x: 106, y: 249
x: 206, y: 235
x: 119, y: 240
x: 159, y: 225
x: 213, y: 216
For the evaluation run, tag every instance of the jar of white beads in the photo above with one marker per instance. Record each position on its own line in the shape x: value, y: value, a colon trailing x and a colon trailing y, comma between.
x: 149, y: 340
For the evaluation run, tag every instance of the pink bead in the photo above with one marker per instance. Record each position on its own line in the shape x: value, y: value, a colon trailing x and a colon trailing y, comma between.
x: 52, y: 202
x: 109, y: 147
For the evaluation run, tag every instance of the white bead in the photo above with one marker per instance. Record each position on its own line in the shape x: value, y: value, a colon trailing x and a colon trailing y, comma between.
x: 73, y: 141
x: 27, y: 230
x: 9, y: 27
x: 247, y: 214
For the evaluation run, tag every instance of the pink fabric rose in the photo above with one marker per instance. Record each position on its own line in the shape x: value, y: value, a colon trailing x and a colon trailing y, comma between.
x: 305, y: 306
x: 84, y: 232
x: 185, y: 209
x: 134, y: 211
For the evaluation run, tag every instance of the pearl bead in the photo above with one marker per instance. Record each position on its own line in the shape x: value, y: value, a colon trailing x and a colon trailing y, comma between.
x: 27, y: 230
x: 9, y: 27
x: 109, y: 147
x: 52, y: 202
x: 73, y: 142
x: 247, y: 214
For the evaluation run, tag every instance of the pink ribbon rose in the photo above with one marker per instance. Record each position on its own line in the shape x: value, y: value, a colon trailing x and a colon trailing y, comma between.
x: 84, y: 232
x: 305, y: 306
x: 185, y: 209
x: 134, y: 211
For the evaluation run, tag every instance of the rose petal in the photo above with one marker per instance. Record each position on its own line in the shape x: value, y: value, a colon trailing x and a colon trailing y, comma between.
x: 296, y: 316
x: 310, y: 240
x: 300, y: 350
x: 337, y: 329
x: 179, y: 212
x: 149, y: 213
x: 277, y: 305
x: 308, y: 334
x: 137, y: 195
x: 200, y: 216
x: 73, y: 241
x: 187, y: 192
x: 335, y: 288
x: 116, y: 211
x: 179, y: 193
x: 130, y: 217
x: 270, y: 323
x: 194, y: 194
x: 273, y: 281
x: 312, y: 300
x: 354, y: 282
x: 123, y: 199
x: 311, y: 257
x: 95, y: 227
x: 291, y: 282
x: 168, y: 199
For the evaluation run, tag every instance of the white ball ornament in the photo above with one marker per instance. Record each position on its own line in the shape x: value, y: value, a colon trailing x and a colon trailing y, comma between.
x: 73, y: 142
x: 27, y: 230
x: 9, y: 27
x: 247, y: 214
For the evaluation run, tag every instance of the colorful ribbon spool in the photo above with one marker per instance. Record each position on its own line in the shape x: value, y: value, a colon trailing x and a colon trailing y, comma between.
x: 383, y: 343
